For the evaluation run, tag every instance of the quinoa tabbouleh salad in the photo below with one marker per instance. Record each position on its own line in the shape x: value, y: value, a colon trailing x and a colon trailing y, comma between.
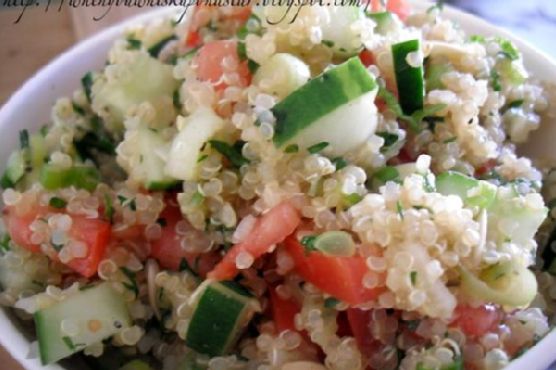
x: 335, y: 190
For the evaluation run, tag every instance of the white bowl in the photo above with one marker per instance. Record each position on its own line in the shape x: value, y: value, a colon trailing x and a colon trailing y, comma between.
x: 30, y: 107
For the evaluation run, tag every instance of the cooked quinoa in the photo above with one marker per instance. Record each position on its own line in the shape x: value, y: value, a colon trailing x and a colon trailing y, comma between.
x: 337, y: 190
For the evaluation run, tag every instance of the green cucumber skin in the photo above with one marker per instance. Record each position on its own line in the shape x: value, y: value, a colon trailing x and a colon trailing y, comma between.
x: 100, y: 302
x: 82, y: 177
x: 409, y: 80
x: 214, y: 325
x: 319, y: 97
x: 382, y: 20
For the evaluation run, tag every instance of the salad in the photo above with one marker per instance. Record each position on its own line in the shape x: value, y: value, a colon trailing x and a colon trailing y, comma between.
x: 270, y: 189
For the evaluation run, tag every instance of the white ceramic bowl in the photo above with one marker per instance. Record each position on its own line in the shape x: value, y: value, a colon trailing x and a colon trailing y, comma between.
x: 30, y: 107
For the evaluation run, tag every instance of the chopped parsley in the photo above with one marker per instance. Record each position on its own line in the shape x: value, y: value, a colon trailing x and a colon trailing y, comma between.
x: 399, y: 209
x: 202, y: 157
x: 68, y: 342
x: 331, y: 302
x: 477, y: 38
x: 24, y: 139
x: 507, y: 49
x: 413, y: 277
x: 292, y: 148
x: 5, y: 243
x: 231, y: 152
x: 108, y: 208
x: 516, y: 103
x: 132, y: 285
x: 197, y: 198
x: 450, y: 140
x: 57, y: 202
x: 387, y: 173
x: 339, y: 162
x: 127, y: 202
x: 313, y: 149
x: 162, y: 222
x: 77, y: 109
x: 155, y: 50
x: 352, y: 199
x: 328, y: 43
x: 176, y: 100
x: 184, y: 266
x: 389, y: 138
x: 134, y: 44
x: 495, y: 80
x: 87, y: 83
x: 308, y: 242
x: 252, y: 66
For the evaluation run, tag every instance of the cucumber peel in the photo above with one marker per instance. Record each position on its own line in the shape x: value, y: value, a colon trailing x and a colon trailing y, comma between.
x: 53, y: 177
x: 472, y: 192
x: 409, y: 79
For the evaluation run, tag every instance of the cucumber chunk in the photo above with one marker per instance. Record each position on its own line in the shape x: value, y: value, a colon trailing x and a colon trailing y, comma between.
x: 384, y: 22
x: 97, y: 313
x: 342, y: 38
x: 222, y: 312
x: 506, y: 283
x: 151, y: 168
x: 136, y: 365
x: 15, y: 169
x: 82, y: 177
x: 281, y: 74
x: 197, y: 129
x: 471, y: 191
x: 337, y: 108
x: 409, y: 79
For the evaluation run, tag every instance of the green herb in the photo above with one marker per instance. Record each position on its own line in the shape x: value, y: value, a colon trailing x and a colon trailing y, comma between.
x: 477, y: 38
x: 241, y: 50
x: 495, y: 80
x: 24, y: 139
x: 387, y: 173
x: 131, y: 276
x: 428, y: 186
x: 399, y: 209
x: 413, y: 277
x: 233, y: 153
x: 352, y: 199
x: 57, y: 247
x: 184, y: 266
x: 197, y: 198
x: 414, y: 121
x: 96, y: 140
x: 313, y: 149
x: 516, y: 103
x: 331, y: 302
x: 450, y: 140
x: 134, y: 44
x: 77, y: 109
x: 508, y: 49
x: 202, y: 157
x: 176, y: 100
x: 339, y: 162
x: 108, y: 208
x: 438, y: 6
x: 43, y: 130
x: 328, y: 43
x: 6, y: 182
x: 252, y: 66
x: 390, y: 100
x: 247, y: 27
x: 87, y: 287
x: 389, y: 138
x: 413, y: 324
x: 57, y: 202
x: 292, y: 148
x: 87, y: 83
x: 308, y: 242
x: 68, y: 342
x: 155, y: 50
x: 191, y: 53
x: 5, y: 242
x: 162, y: 221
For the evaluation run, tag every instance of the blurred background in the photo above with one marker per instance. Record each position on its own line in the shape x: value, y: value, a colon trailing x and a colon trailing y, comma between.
x: 39, y: 36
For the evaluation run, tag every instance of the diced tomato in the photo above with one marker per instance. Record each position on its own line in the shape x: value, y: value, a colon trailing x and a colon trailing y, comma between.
x: 167, y: 249
x: 193, y: 39
x: 210, y: 59
x: 341, y: 277
x: 399, y: 7
x: 269, y: 230
x: 359, y: 321
x: 367, y: 57
x: 94, y: 233
x: 477, y: 321
x: 485, y: 168
x: 283, y: 311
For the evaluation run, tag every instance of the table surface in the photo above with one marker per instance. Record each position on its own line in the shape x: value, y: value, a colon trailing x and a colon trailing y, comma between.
x: 39, y: 36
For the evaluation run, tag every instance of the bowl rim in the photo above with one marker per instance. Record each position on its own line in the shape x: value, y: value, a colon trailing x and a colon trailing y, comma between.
x: 13, y: 339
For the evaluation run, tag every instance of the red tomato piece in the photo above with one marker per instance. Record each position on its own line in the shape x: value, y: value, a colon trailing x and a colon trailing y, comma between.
x: 477, y: 321
x: 341, y: 277
x: 283, y: 311
x: 167, y: 249
x: 193, y: 39
x: 359, y: 321
x: 367, y: 57
x: 94, y: 233
x: 270, y: 229
x: 210, y: 59
x: 399, y: 7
